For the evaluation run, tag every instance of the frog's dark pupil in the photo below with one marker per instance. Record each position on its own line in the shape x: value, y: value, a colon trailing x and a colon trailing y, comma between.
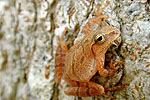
x: 100, y: 38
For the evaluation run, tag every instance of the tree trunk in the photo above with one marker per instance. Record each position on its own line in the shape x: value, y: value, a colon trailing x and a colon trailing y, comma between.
x: 28, y: 31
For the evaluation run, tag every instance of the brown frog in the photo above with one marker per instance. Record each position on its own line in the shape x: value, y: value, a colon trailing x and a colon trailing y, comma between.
x: 86, y: 57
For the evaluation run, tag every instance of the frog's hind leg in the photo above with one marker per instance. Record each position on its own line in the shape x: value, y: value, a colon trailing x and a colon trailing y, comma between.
x: 61, y: 51
x: 83, y: 89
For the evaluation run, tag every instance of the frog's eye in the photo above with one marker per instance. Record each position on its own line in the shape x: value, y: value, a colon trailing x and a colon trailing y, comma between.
x: 99, y: 38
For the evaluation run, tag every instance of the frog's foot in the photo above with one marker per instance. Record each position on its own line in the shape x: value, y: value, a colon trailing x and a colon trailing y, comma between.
x: 113, y: 64
x: 111, y: 70
x: 109, y: 96
x: 84, y: 89
x: 114, y: 88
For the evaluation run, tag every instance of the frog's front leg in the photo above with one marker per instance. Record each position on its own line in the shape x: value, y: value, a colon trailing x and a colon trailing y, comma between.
x: 83, y: 89
x: 109, y: 71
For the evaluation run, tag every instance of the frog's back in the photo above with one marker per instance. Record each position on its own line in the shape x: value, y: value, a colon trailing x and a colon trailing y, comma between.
x: 80, y: 64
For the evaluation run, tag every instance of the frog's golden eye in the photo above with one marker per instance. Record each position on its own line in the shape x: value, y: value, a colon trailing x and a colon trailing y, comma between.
x: 99, y: 38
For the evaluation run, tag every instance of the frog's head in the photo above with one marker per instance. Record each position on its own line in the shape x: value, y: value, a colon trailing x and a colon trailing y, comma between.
x: 103, y: 38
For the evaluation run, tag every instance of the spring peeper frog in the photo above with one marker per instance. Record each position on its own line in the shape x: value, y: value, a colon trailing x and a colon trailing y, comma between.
x: 81, y: 62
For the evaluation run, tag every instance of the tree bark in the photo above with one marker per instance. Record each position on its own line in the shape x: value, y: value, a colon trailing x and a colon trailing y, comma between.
x: 28, y: 31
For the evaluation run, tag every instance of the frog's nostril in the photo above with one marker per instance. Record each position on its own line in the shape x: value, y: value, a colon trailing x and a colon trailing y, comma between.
x: 117, y: 32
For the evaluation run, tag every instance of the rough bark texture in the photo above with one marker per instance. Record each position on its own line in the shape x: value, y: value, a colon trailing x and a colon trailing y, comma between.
x: 28, y: 30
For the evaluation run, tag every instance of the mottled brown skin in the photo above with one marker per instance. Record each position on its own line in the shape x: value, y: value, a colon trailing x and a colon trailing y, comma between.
x: 85, y: 58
